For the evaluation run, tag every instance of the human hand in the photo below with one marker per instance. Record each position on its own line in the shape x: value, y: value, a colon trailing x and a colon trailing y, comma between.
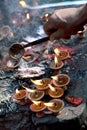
x: 64, y: 22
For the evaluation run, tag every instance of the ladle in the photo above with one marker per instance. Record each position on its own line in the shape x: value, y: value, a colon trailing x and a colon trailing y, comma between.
x: 16, y: 50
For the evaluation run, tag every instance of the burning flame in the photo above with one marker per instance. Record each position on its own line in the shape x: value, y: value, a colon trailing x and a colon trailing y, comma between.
x: 56, y: 51
x: 27, y: 16
x: 56, y: 60
x: 51, y: 87
x: 49, y: 104
x: 29, y: 90
x: 17, y: 91
x: 55, y: 77
x: 37, y: 82
x: 36, y: 102
x: 22, y: 3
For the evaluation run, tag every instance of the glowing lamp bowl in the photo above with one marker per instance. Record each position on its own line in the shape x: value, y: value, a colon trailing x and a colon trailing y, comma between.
x: 56, y: 67
x: 64, y: 55
x: 20, y: 95
x: 63, y: 80
x: 57, y: 93
x: 37, y: 108
x: 45, y: 83
x: 57, y: 107
x: 37, y: 95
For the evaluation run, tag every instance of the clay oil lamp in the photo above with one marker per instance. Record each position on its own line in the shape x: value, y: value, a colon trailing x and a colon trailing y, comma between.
x: 35, y: 94
x: 42, y: 84
x: 61, y: 80
x: 5, y: 30
x: 45, y: 17
x: 56, y: 106
x: 55, y: 92
x: 80, y: 34
x: 30, y: 56
x: 38, y: 107
x: 57, y: 63
x: 20, y: 95
x: 62, y: 54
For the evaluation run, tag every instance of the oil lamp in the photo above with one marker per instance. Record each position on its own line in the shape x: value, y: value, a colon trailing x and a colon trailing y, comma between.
x: 46, y: 17
x: 30, y: 56
x: 61, y: 80
x: 62, y: 54
x: 42, y: 84
x: 36, y: 95
x: 38, y: 107
x: 55, y: 92
x: 56, y: 105
x: 5, y: 30
x: 57, y: 64
x: 20, y: 95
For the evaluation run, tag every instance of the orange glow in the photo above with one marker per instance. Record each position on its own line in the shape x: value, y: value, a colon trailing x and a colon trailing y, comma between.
x: 52, y: 88
x: 49, y: 104
x: 56, y: 51
x: 22, y: 3
x: 37, y: 82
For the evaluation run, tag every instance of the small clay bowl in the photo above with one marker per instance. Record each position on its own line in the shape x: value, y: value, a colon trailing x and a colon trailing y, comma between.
x: 37, y: 108
x: 63, y: 80
x: 37, y: 95
x: 57, y: 93
x: 57, y: 107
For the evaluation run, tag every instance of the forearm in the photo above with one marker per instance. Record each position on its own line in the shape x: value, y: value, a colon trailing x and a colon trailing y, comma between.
x: 83, y: 15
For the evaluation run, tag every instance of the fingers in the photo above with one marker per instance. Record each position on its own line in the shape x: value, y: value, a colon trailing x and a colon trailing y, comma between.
x: 59, y: 34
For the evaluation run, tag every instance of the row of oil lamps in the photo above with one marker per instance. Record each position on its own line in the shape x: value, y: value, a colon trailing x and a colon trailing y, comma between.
x: 54, y: 87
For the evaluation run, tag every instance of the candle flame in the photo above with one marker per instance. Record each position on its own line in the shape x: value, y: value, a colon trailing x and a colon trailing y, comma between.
x: 37, y: 82
x: 49, y: 104
x: 51, y: 87
x: 56, y: 60
x: 28, y: 89
x: 36, y: 102
x: 56, y: 51
x: 22, y: 3
x: 17, y: 91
